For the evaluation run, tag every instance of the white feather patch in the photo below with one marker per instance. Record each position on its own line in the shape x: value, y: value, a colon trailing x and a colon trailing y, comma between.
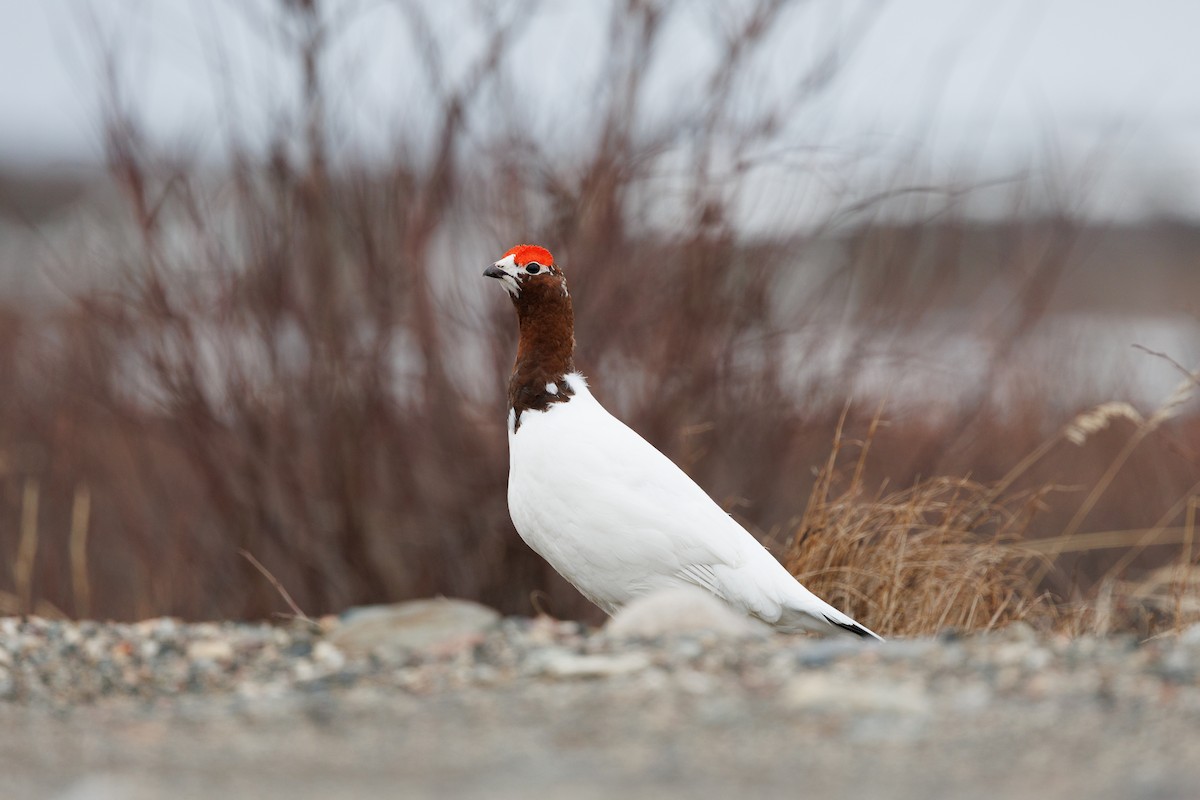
x: 508, y: 265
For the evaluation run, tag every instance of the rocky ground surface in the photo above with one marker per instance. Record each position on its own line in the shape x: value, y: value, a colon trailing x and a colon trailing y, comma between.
x: 446, y: 699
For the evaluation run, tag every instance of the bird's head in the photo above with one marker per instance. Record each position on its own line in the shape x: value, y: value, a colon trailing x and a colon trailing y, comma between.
x: 527, y: 269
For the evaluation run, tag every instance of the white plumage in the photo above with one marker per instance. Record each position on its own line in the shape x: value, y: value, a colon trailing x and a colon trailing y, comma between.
x: 615, y: 516
x: 619, y: 520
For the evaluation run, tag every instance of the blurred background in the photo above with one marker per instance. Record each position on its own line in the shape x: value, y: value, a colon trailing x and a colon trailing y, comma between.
x: 244, y: 333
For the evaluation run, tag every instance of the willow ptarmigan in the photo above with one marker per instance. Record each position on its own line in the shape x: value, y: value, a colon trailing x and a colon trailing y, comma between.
x: 611, y: 513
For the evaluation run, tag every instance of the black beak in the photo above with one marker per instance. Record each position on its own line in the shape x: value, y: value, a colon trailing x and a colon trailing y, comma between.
x: 493, y: 272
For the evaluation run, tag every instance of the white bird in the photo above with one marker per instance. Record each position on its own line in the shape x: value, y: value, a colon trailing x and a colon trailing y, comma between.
x: 615, y: 517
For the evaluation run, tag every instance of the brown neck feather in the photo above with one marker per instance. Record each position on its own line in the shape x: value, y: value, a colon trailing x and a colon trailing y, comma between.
x: 546, y: 350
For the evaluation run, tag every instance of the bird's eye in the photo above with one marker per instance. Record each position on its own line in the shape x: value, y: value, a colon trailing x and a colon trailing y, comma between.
x: 533, y: 268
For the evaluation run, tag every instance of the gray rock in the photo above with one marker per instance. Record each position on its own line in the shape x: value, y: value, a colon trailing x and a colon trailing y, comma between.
x: 821, y: 652
x: 107, y: 786
x: 1019, y: 631
x: 909, y: 649
x: 681, y: 610
x: 559, y: 664
x: 1177, y: 666
x: 218, y: 650
x: 440, y: 625
x: 837, y: 694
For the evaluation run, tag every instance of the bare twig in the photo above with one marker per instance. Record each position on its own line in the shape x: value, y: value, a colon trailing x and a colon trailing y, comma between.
x: 287, y: 598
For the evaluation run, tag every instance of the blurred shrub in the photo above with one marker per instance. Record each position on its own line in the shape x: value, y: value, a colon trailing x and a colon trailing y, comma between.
x: 300, y: 362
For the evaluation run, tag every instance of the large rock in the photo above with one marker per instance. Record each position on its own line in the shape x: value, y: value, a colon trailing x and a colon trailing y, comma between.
x: 832, y: 693
x: 557, y: 663
x: 440, y: 624
x: 681, y: 610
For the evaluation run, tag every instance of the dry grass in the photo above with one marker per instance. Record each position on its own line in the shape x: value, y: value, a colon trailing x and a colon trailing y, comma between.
x: 950, y: 553
x: 943, y: 554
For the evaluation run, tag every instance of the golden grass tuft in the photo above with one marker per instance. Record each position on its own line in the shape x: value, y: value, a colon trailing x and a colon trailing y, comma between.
x: 951, y: 553
x: 940, y: 555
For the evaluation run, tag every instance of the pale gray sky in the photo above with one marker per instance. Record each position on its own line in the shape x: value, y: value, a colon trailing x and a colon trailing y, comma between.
x: 973, y: 85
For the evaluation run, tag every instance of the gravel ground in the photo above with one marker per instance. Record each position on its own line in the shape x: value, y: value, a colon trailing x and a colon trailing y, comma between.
x: 519, y: 708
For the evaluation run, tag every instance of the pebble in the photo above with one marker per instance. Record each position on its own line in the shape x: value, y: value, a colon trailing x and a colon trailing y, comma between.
x: 681, y: 610
x: 839, y: 694
x: 570, y: 665
x: 821, y: 652
x: 442, y: 646
x: 205, y: 650
x: 392, y: 632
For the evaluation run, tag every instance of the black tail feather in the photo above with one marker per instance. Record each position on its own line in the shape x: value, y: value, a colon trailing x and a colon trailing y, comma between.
x: 853, y: 627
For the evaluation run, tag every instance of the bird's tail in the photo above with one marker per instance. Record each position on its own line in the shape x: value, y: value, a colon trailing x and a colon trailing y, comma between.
x: 814, y: 614
x: 845, y: 623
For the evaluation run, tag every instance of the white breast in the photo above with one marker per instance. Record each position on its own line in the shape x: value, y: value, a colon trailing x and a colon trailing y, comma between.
x: 617, y: 518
